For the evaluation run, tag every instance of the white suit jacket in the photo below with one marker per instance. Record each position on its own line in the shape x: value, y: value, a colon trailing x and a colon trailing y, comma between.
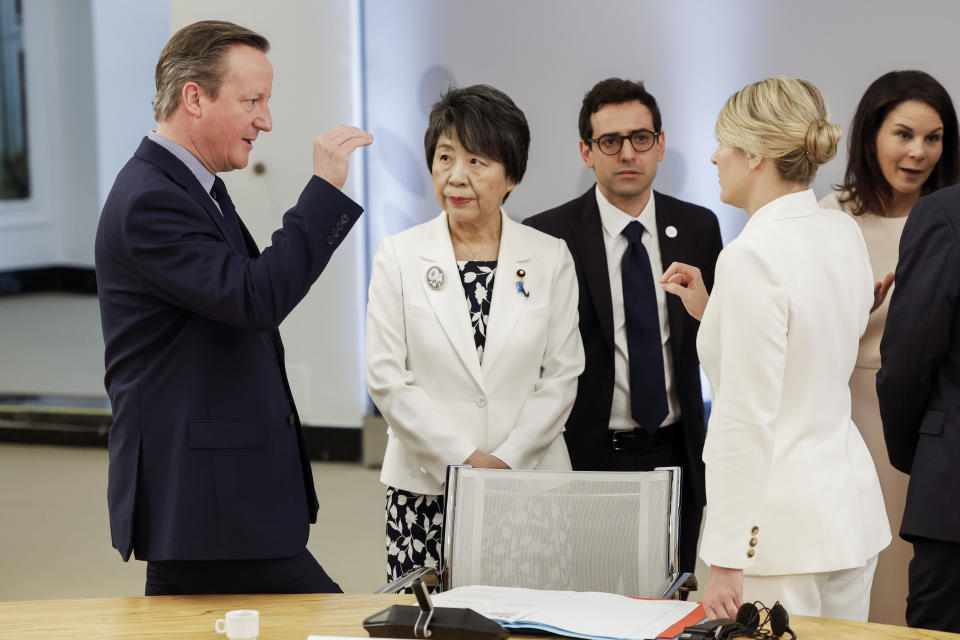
x: 791, y: 487
x: 423, y: 371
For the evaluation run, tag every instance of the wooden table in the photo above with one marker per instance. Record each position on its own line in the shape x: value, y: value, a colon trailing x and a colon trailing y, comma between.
x: 284, y: 617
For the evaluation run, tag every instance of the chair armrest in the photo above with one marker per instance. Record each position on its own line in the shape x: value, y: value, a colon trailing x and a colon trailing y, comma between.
x: 685, y: 583
x: 429, y: 575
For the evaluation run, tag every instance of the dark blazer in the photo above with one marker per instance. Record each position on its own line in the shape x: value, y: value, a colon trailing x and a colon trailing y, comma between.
x: 207, y: 459
x: 918, y: 384
x: 697, y: 243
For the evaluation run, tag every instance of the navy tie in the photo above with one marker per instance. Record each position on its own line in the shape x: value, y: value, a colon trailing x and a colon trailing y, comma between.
x: 230, y: 217
x: 648, y: 393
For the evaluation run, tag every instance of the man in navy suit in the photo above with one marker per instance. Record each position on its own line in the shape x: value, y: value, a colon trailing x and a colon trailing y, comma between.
x: 209, y: 480
x: 639, y: 402
x: 918, y: 386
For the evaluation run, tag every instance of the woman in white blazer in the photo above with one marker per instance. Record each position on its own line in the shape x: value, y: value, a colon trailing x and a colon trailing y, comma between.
x: 473, y: 346
x: 794, y: 509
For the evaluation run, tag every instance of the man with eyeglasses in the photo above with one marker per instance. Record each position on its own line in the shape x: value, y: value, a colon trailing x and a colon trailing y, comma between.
x: 639, y: 404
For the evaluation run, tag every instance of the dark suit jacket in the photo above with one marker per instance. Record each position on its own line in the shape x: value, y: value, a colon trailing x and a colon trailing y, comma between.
x: 919, y: 381
x: 697, y: 243
x: 207, y: 459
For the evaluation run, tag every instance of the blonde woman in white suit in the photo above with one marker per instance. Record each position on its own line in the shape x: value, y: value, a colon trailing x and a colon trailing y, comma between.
x: 794, y: 509
x: 473, y: 346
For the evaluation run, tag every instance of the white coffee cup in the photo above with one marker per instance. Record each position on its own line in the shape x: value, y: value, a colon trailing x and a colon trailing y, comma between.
x: 240, y: 624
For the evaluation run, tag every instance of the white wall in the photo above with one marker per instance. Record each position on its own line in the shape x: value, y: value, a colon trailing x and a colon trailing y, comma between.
x: 692, y: 54
x: 127, y: 40
x: 314, y: 50
x: 60, y: 107
x: 89, y: 68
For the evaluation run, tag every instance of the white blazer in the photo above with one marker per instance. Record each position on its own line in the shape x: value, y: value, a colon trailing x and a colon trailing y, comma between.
x: 791, y: 487
x: 423, y: 371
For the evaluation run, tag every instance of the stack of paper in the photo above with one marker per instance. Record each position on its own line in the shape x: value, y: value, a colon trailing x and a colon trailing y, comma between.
x: 600, y: 616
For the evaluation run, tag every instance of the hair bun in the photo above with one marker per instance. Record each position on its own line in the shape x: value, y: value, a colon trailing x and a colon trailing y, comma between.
x: 820, y: 142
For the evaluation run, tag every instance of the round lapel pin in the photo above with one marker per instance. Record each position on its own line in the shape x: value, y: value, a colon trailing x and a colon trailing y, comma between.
x: 435, y: 277
x: 671, y: 231
x: 520, y: 289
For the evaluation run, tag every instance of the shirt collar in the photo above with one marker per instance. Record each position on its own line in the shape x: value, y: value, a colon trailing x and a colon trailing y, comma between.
x: 614, y: 219
x: 202, y: 174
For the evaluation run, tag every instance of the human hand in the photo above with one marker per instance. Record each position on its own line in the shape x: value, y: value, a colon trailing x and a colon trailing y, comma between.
x: 480, y: 460
x: 723, y: 594
x: 685, y: 282
x: 880, y: 290
x: 331, y: 152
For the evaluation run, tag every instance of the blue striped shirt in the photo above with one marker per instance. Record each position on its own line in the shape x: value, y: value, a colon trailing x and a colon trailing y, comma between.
x: 200, y: 172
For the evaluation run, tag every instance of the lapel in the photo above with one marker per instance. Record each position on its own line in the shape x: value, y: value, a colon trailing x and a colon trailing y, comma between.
x: 507, y: 303
x: 252, y: 250
x: 670, y: 252
x: 153, y: 153
x: 587, y: 236
x: 448, y: 302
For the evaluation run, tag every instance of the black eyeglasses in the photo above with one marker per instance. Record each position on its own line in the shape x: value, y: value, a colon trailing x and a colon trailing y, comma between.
x: 611, y: 143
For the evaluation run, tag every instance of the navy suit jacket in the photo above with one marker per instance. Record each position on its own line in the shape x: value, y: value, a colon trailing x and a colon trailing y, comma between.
x: 207, y: 459
x: 918, y: 384
x: 697, y: 243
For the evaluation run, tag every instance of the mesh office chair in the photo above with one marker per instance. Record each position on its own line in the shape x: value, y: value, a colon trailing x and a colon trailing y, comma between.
x: 566, y: 530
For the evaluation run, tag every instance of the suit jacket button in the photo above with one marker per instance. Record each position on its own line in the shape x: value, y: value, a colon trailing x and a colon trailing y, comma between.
x: 344, y: 218
x: 340, y: 226
x: 753, y: 542
x: 291, y: 419
x: 754, y: 531
x: 751, y: 553
x: 481, y: 401
x: 334, y: 234
x: 330, y: 240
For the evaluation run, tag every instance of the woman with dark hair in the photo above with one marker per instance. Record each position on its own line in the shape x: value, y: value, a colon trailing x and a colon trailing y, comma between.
x: 903, y: 144
x: 473, y: 341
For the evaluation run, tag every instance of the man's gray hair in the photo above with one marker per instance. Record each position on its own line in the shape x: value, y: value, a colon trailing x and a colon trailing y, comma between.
x: 196, y: 53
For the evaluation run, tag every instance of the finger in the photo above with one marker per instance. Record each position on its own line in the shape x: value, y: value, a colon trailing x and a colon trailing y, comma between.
x: 352, y: 143
x: 731, y: 610
x: 675, y: 267
x: 333, y: 137
x: 355, y: 140
x: 709, y: 611
x: 338, y: 135
x: 675, y: 289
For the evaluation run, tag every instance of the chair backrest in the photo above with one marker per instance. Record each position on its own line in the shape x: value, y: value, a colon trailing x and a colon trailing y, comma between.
x: 567, y: 530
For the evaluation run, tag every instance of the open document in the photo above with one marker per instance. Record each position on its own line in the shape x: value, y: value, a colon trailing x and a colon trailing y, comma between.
x: 603, y: 616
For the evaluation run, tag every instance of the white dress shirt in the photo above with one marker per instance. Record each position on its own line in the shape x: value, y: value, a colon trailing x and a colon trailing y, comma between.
x: 614, y: 220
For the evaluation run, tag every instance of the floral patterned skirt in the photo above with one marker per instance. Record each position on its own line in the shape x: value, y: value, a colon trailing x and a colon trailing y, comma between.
x: 414, y: 528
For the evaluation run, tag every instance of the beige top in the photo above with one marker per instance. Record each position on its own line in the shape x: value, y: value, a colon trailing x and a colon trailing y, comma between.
x: 882, y: 237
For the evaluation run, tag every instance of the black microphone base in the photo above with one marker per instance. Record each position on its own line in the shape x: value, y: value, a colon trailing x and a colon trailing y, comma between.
x: 447, y: 623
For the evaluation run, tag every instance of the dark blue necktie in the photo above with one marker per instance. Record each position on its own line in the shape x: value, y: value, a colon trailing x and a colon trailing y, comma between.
x: 230, y: 217
x: 648, y: 393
